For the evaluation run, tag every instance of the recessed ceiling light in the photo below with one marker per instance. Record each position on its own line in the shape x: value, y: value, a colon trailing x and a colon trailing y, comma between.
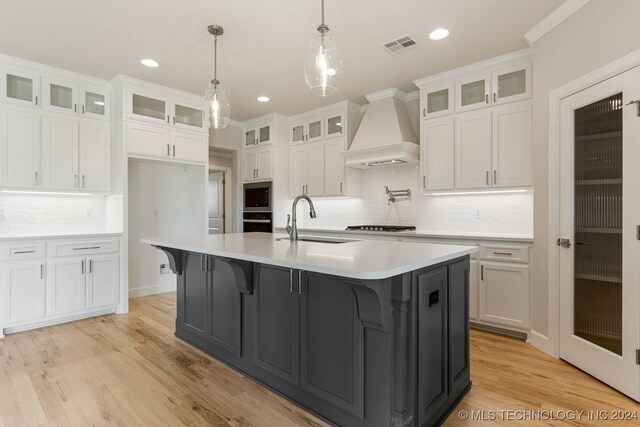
x: 263, y: 98
x: 439, y: 34
x: 147, y: 62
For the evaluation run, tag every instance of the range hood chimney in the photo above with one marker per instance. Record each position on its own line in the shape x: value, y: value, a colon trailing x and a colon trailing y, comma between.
x: 385, y: 136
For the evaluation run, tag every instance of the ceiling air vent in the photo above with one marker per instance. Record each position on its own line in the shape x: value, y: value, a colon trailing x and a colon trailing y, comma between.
x: 399, y: 45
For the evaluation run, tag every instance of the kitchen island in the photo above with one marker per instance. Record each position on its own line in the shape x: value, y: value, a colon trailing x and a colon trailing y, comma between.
x: 361, y: 333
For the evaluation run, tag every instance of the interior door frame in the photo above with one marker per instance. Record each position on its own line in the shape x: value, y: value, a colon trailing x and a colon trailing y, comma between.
x: 550, y: 343
x: 228, y: 195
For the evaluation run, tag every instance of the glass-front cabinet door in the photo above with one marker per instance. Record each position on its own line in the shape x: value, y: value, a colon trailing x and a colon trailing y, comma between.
x: 473, y: 93
x: 334, y: 124
x: 150, y: 107
x: 437, y: 101
x: 60, y: 95
x: 250, y: 138
x: 511, y: 84
x: 314, y: 130
x: 20, y: 88
x: 187, y: 116
x: 264, y: 134
x: 95, y: 102
x: 297, y: 133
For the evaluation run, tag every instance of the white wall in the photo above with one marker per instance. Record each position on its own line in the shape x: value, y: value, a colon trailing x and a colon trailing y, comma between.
x: 35, y: 214
x: 231, y: 138
x: 496, y: 213
x: 598, y: 33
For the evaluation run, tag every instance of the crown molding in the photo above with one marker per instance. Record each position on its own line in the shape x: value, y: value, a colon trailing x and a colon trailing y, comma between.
x: 386, y: 93
x: 552, y: 20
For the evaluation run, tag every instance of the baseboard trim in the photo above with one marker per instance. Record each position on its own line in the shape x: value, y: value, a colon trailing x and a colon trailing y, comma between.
x: 57, y: 321
x: 542, y: 343
x: 498, y: 330
x: 152, y: 290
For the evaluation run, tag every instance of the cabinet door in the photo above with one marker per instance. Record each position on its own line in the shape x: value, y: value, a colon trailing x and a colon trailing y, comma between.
x: 20, y: 88
x: 95, y: 102
x: 458, y: 325
x: 60, y: 95
x: 473, y: 290
x: 103, y: 280
x: 191, y: 147
x: 315, y: 170
x: 192, y: 295
x: 187, y: 115
x: 511, y: 149
x: 437, y: 154
x: 276, y: 323
x: 314, y: 130
x: 504, y: 294
x: 473, y: 92
x: 60, y: 152
x: 265, y: 163
x: 432, y: 344
x: 250, y: 138
x: 148, y: 141
x: 224, y: 317
x: 264, y: 134
x: 147, y: 106
x: 511, y: 83
x: 19, y: 149
x: 334, y: 172
x: 297, y: 170
x: 250, y: 164
x: 437, y: 101
x: 95, y: 155
x: 297, y: 133
x: 473, y: 150
x: 23, y: 291
x: 331, y: 342
x: 334, y: 124
x: 66, y: 286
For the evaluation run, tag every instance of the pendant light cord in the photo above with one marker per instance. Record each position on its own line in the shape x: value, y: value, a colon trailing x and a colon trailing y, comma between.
x: 215, y: 59
x: 322, y: 2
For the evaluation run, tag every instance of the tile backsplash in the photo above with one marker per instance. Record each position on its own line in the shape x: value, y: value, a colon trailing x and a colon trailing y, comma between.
x: 509, y: 213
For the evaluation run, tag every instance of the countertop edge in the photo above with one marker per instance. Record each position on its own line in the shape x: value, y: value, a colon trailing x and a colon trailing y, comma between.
x: 59, y: 236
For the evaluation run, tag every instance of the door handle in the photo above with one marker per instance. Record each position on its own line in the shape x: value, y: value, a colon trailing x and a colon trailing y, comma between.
x: 291, y: 281
x: 482, y: 272
x: 167, y: 119
x: 563, y: 243
x: 299, y: 282
x: 42, y: 271
x: 168, y: 149
x: 495, y: 97
x: 340, y: 188
x: 83, y: 109
x: 36, y: 178
x: 424, y: 181
x: 82, y: 266
x: 486, y: 98
x: 487, y: 178
x: 75, y: 108
x: 83, y: 184
x: 36, y: 100
x: 174, y: 150
x: 424, y: 112
x: 495, y: 177
x: 90, y: 266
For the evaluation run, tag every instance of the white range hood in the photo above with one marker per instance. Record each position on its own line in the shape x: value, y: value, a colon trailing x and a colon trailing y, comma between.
x: 385, y: 136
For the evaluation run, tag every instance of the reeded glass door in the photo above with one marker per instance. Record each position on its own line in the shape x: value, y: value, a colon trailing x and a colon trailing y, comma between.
x: 599, y: 251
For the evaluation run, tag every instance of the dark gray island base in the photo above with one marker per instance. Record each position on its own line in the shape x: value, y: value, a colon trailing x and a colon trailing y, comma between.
x: 385, y: 352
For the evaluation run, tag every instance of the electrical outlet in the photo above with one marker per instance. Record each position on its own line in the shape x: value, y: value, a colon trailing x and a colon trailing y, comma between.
x: 164, y: 269
x: 3, y: 214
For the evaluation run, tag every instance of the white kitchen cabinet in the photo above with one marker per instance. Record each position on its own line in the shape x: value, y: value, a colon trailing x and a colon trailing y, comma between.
x: 473, y: 92
x: 504, y: 294
x: 307, y: 170
x: 258, y: 163
x: 59, y: 95
x: 102, y: 281
x: 473, y: 150
x: 148, y: 141
x: 257, y: 135
x: 20, y: 87
x: 511, y: 145
x: 95, y: 102
x: 473, y: 289
x: 334, y: 124
x: 437, y: 100
x: 334, y: 169
x: 297, y: 170
x: 19, y: 149
x: 188, y: 147
x: 437, y: 156
x: 187, y: 115
x: 66, y: 286
x: 511, y: 83
x: 23, y: 290
x: 148, y: 105
x: 308, y: 129
x: 60, y: 152
x: 95, y: 156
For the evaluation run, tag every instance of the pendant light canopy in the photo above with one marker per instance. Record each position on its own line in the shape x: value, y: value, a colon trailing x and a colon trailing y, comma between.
x: 322, y: 64
x: 216, y: 105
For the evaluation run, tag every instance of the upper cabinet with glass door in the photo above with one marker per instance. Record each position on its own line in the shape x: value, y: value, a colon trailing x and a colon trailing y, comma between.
x: 187, y: 115
x: 95, y: 102
x: 60, y: 95
x: 257, y: 135
x: 437, y: 100
x: 334, y: 124
x: 308, y: 129
x: 148, y: 106
x: 512, y: 83
x: 473, y: 92
x: 20, y: 87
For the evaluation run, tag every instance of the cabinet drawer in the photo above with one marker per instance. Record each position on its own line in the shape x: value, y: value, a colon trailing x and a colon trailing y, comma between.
x: 20, y: 250
x: 518, y: 254
x: 81, y: 248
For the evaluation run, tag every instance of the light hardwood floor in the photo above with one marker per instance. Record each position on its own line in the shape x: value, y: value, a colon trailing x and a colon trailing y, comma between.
x: 130, y: 370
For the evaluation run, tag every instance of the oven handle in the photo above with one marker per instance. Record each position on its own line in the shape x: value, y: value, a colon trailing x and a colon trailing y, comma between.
x: 258, y: 221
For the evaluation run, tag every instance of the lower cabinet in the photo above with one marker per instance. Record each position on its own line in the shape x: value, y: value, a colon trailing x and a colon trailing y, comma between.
x: 66, y: 286
x: 504, y: 294
x: 473, y: 290
x: 192, y: 294
x: 23, y: 292
x: 102, y: 280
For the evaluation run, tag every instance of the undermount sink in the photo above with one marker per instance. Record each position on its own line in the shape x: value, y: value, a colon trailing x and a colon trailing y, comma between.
x: 317, y: 240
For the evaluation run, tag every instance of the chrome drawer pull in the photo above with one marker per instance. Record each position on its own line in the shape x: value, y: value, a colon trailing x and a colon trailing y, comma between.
x: 503, y: 253
x: 84, y: 249
x: 23, y: 252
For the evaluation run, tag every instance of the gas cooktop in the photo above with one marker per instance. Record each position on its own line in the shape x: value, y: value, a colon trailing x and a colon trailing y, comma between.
x: 389, y: 228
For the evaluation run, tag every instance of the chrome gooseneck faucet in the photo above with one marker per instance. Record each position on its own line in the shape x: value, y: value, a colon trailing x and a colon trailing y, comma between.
x: 292, y: 230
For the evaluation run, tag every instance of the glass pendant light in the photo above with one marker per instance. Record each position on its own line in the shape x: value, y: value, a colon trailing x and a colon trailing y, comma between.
x: 216, y: 105
x: 322, y: 64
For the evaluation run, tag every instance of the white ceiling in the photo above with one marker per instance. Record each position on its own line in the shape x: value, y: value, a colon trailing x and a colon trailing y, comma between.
x: 265, y: 41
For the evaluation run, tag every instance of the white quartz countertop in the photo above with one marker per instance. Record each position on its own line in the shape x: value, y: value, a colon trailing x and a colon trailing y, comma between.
x: 45, y: 236
x: 466, y: 235
x: 365, y: 259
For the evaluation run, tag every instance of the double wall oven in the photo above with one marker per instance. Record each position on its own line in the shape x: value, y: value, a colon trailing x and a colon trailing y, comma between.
x: 257, y: 215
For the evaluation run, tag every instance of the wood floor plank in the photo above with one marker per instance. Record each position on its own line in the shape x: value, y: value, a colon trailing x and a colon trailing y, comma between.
x: 131, y: 370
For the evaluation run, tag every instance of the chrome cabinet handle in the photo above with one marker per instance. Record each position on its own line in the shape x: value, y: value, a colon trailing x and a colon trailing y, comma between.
x: 424, y: 181
x: 495, y: 97
x: 82, y: 266
x: 174, y: 120
x: 75, y: 180
x: 424, y: 112
x: 83, y: 183
x: 75, y: 108
x: 90, y: 266
x: 503, y: 253
x: 340, y: 188
x: 23, y: 252
x: 168, y: 145
x: 36, y: 178
x: 42, y: 271
x: 495, y: 177
x: 299, y: 282
x: 487, y: 177
x: 291, y: 281
x: 482, y: 272
x: 174, y: 150
x: 167, y: 119
x: 83, y: 109
x: 86, y: 248
x: 486, y: 98
x: 36, y: 100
